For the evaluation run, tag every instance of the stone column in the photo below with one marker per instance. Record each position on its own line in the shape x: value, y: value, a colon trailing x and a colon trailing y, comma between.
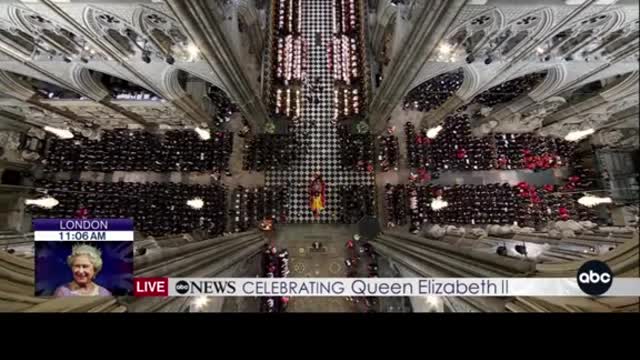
x: 383, y: 14
x: 223, y: 256
x: 430, y: 24
x: 436, y: 116
x: 9, y: 120
x: 623, y: 262
x: 206, y: 31
x: 425, y: 258
x: 422, y: 257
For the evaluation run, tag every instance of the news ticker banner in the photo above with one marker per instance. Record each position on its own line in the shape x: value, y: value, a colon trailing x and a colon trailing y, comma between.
x: 337, y: 287
x: 83, y: 229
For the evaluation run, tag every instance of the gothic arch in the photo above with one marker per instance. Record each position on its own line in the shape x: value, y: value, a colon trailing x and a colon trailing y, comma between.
x: 120, y: 34
x: 556, y: 76
x: 203, y: 73
x: 171, y: 84
x: 247, y: 13
x: 50, y: 38
x: 388, y: 14
x: 470, y: 83
x: 386, y: 42
x: 626, y: 87
x: 502, y: 93
x: 515, y: 35
x: 14, y: 86
x: 616, y: 41
x: 17, y: 38
x: 22, y: 85
x: 385, y: 19
x: 469, y: 37
x: 572, y: 39
x: 82, y: 79
x: 165, y: 33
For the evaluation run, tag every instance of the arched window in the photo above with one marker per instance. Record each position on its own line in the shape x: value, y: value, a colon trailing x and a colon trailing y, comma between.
x: 470, y: 36
x: 612, y: 42
x: 570, y: 42
x: 117, y: 32
x: 18, y: 39
x: 44, y: 90
x: 121, y: 89
x: 48, y: 39
x: 168, y: 37
x: 515, y: 34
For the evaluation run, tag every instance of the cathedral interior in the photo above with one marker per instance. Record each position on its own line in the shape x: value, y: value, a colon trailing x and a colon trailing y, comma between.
x: 447, y: 138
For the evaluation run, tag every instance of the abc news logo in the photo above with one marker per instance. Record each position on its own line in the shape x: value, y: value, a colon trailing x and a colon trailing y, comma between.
x: 594, y: 277
x: 205, y: 287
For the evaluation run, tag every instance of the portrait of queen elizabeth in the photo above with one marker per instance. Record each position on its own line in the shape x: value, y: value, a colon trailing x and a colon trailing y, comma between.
x: 85, y: 263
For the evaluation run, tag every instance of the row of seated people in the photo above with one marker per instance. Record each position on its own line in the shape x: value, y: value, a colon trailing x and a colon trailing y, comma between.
x: 287, y: 60
x: 347, y: 20
x: 250, y: 206
x: 356, y: 150
x: 287, y: 17
x: 434, y: 92
x: 554, y: 203
x: 582, y: 178
x: 223, y: 104
x: 267, y: 152
x: 509, y: 90
x: 124, y: 90
x: 346, y: 49
x: 389, y: 155
x: 287, y: 103
x: 356, y: 201
x: 127, y: 150
x: 157, y: 208
x: 345, y: 53
x: 274, y: 264
x: 528, y: 151
x: 395, y: 200
x: 501, y: 204
x: 454, y: 148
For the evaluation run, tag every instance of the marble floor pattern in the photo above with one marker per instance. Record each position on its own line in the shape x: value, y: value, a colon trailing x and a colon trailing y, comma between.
x: 319, y: 135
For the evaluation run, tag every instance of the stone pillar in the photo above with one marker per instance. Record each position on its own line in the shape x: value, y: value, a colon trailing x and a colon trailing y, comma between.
x: 575, y: 109
x: 206, y: 31
x: 383, y: 14
x: 420, y: 257
x: 437, y: 116
x: 508, y: 111
x: 425, y: 258
x: 12, y: 121
x: 218, y: 257
x: 430, y: 24
x: 623, y: 262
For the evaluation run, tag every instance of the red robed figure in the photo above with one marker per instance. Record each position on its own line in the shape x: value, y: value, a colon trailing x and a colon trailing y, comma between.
x: 317, y: 195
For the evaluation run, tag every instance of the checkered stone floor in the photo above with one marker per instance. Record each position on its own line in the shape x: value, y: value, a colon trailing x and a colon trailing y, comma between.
x: 321, y: 150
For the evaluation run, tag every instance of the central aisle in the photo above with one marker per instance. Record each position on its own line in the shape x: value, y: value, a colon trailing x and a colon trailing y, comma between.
x: 321, y: 150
